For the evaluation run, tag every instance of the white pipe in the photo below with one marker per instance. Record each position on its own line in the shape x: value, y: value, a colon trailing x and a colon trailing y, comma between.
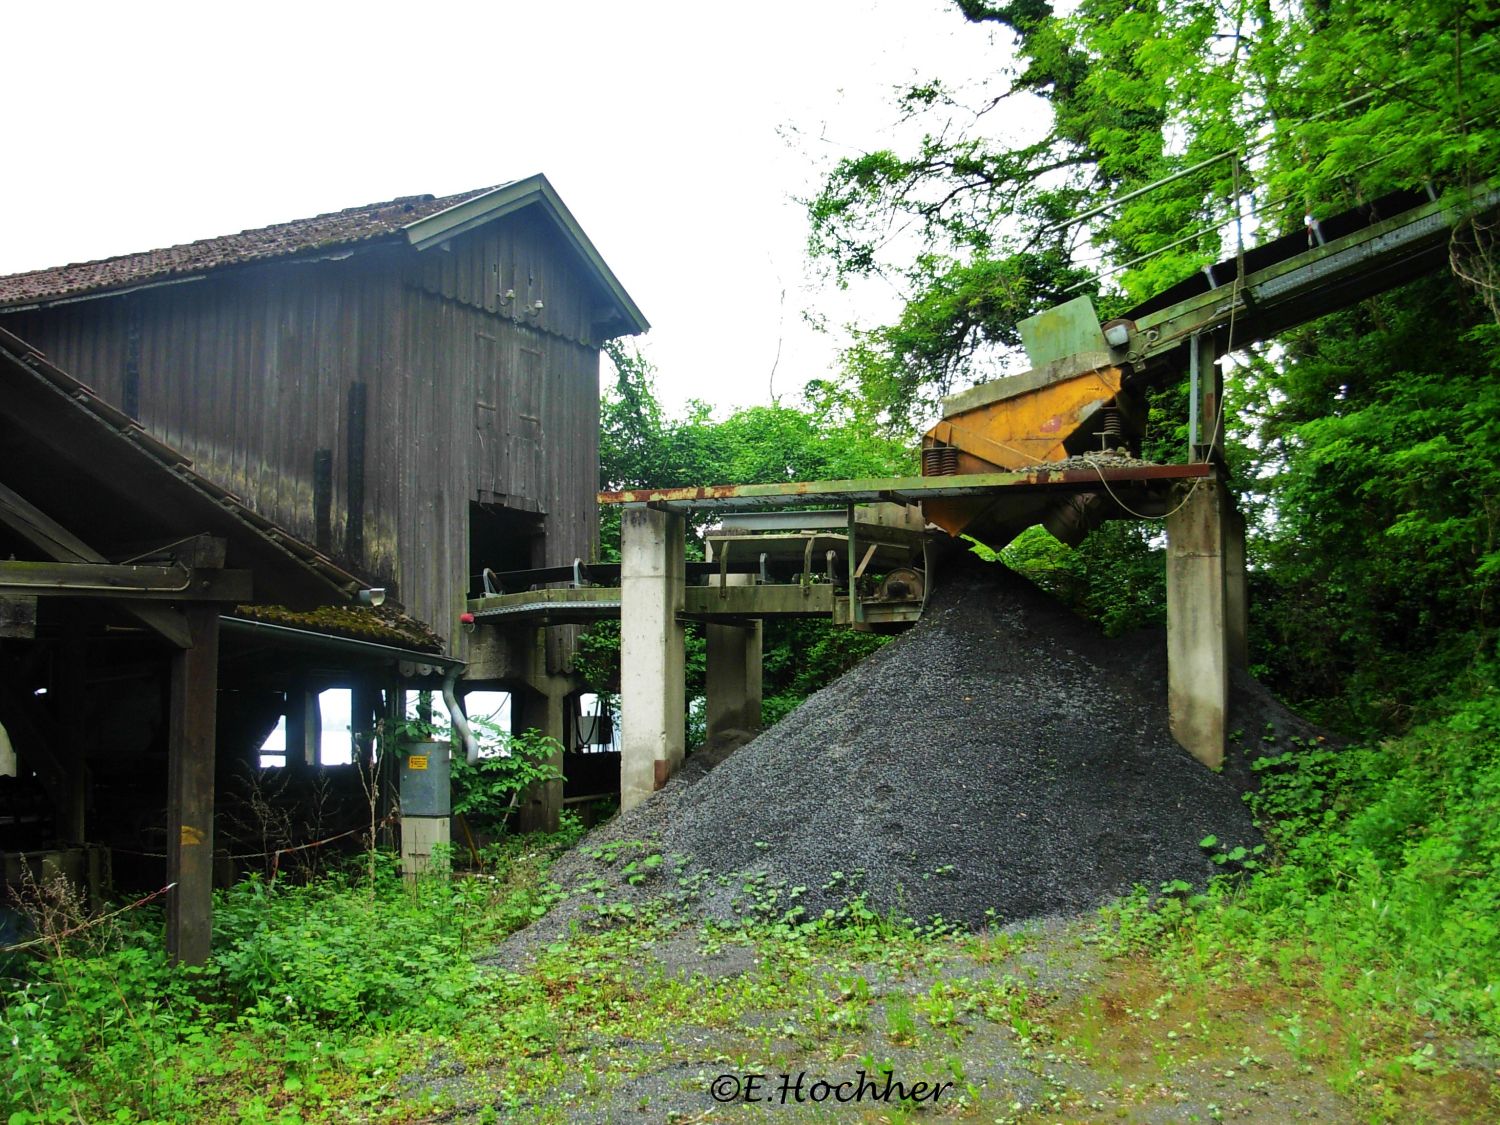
x: 456, y: 713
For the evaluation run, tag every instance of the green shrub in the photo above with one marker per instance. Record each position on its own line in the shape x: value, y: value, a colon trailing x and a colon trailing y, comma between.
x: 487, y: 791
x: 1388, y: 872
x: 304, y: 980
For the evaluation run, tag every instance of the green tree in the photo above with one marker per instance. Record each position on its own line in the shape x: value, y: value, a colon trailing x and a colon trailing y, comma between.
x: 1361, y: 443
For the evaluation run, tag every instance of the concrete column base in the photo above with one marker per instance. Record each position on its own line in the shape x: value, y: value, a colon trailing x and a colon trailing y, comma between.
x: 732, y: 673
x: 1236, y: 592
x: 653, y: 715
x: 531, y: 709
x: 1197, y: 638
x: 419, y: 835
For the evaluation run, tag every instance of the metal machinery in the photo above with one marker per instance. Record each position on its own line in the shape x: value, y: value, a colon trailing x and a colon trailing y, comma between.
x: 1054, y: 445
x: 874, y: 552
x: 1083, y: 403
x: 799, y: 563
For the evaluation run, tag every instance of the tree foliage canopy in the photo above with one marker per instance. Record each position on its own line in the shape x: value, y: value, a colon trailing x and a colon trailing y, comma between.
x: 1327, y: 104
x: 1364, y: 443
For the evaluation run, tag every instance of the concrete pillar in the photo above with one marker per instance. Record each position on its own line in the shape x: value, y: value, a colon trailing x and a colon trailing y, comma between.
x: 1236, y: 594
x: 652, y: 707
x: 733, y: 672
x: 541, y: 710
x: 1197, y: 648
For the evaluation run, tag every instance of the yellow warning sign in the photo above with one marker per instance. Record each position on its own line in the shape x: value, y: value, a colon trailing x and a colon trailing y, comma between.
x: 190, y: 835
x: 417, y: 762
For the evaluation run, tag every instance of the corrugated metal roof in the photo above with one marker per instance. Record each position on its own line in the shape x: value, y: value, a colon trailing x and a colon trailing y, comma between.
x: 337, y: 228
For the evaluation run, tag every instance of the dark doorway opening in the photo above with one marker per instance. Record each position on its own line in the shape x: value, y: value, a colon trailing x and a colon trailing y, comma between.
x: 501, y: 539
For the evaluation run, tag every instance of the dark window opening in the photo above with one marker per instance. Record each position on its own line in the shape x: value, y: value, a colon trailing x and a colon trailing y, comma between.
x: 501, y: 540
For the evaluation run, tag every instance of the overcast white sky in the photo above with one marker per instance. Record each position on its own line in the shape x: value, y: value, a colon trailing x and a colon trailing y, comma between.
x: 140, y: 125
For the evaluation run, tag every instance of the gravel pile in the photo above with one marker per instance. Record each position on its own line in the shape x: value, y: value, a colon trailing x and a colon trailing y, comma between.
x: 1102, y: 459
x: 1002, y: 760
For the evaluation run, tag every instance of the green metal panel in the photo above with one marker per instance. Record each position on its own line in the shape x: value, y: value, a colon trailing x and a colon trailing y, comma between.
x: 1059, y: 332
x: 790, y: 600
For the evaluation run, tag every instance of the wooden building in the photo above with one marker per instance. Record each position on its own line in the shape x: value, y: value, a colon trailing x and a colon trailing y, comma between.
x: 135, y: 674
x: 397, y: 396
x: 411, y: 387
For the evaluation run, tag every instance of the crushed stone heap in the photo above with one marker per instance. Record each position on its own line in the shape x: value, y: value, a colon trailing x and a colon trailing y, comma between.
x: 1001, y: 760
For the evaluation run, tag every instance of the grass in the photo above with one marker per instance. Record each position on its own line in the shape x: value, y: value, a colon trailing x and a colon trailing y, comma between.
x: 611, y: 1017
x: 1348, y: 975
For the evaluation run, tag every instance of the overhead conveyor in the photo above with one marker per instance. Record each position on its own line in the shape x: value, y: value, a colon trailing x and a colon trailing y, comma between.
x: 1057, y: 445
x: 1085, y: 395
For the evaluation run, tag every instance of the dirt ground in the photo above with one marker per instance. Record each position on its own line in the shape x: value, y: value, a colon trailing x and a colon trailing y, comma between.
x: 1032, y: 1024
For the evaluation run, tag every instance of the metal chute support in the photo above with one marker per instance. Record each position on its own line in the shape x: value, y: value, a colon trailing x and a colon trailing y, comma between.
x: 1073, y: 402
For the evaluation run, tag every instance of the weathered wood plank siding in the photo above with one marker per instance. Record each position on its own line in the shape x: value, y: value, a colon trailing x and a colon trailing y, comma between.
x: 266, y: 375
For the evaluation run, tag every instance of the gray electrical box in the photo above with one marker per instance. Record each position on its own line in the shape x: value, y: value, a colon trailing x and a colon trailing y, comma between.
x: 424, y: 780
x: 595, y: 730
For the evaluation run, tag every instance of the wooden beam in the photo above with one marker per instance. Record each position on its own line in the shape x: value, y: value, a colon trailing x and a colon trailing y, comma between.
x: 41, y: 530
x: 61, y: 545
x: 190, y: 789
x: 106, y: 580
x: 195, y: 550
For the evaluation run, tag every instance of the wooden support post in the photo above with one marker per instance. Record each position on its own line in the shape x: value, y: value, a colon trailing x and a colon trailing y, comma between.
x: 296, y: 727
x: 190, y: 789
x: 363, y: 716
x: 387, y: 769
x: 73, y: 729
x: 312, y: 730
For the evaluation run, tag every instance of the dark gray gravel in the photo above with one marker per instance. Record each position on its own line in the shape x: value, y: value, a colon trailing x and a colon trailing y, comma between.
x: 1002, y: 760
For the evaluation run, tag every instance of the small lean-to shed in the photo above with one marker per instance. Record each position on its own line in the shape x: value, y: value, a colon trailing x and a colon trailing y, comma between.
x: 118, y: 566
x: 411, y: 387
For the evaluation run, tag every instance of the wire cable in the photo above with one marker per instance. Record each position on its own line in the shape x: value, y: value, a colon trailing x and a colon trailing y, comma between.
x: 52, y: 939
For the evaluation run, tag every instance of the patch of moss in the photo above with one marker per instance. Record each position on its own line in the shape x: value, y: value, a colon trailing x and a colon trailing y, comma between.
x: 379, y: 625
